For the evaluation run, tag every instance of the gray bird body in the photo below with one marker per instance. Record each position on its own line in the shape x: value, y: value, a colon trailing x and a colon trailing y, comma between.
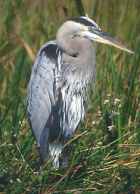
x: 58, y: 87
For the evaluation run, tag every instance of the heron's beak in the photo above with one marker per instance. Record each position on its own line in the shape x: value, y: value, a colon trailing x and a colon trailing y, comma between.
x: 102, y: 37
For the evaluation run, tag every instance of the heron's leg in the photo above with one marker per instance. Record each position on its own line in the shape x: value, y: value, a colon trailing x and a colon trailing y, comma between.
x: 65, y: 156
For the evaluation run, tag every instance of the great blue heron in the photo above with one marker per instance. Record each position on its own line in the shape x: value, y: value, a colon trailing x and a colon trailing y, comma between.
x: 60, y: 77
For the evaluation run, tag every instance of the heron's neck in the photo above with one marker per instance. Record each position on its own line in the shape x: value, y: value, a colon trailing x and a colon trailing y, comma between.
x: 80, y: 54
x: 82, y: 67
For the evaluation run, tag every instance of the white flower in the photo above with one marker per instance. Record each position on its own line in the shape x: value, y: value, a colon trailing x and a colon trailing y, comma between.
x: 93, y: 122
x: 11, y: 181
x: 99, y: 113
x: 117, y: 101
x: 106, y: 101
x: 108, y: 95
x: 110, y: 128
x: 18, y: 180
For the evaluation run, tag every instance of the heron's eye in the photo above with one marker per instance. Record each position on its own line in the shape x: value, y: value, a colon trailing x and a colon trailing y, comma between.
x: 74, y: 35
x: 75, y: 55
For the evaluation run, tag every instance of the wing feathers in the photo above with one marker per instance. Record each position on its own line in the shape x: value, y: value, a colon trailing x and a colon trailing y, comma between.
x: 41, y: 93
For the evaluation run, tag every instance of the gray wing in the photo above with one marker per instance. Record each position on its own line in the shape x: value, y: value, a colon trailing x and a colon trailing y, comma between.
x: 41, y: 94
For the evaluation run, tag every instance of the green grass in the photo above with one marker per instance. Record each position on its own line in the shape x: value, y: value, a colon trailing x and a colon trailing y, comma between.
x: 106, y: 148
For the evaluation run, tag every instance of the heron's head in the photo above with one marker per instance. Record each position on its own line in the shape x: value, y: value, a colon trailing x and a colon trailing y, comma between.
x: 84, y: 27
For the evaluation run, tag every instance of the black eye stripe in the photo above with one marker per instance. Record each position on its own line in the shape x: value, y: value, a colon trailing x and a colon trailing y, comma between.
x: 83, y: 21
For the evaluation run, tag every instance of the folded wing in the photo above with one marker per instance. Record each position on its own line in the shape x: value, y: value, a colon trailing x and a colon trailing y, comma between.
x: 41, y: 96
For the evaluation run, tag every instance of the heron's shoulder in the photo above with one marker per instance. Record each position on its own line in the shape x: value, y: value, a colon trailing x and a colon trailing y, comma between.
x: 47, y: 45
x: 50, y: 48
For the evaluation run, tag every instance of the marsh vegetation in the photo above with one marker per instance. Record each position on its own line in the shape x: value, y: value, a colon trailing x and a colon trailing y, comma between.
x: 106, y: 147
